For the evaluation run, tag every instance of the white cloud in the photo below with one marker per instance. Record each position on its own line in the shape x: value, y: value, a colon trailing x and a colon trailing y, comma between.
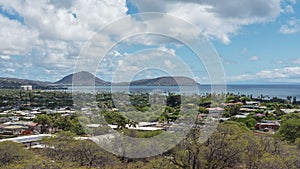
x: 242, y: 77
x: 76, y: 20
x: 291, y: 27
x: 293, y: 1
x: 9, y: 70
x: 254, y: 58
x: 288, y: 72
x: 169, y: 64
x: 56, y: 55
x: 145, y: 63
x: 289, y: 61
x: 167, y: 50
x: 5, y: 57
x: 296, y: 61
x: 54, y: 29
x: 274, y: 74
x: 15, y: 38
x: 289, y: 9
x: 214, y: 17
x: 115, y: 53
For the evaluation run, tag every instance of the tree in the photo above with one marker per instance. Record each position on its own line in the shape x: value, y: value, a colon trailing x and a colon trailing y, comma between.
x: 77, y: 128
x: 232, y: 98
x: 87, y: 153
x: 224, y: 149
x: 232, y: 110
x: 44, y: 121
x: 294, y: 100
x: 278, y: 111
x: 173, y: 100
x: 11, y: 152
x: 58, y: 147
x: 113, y: 117
x: 272, y: 161
x: 140, y: 101
x: 290, y: 130
x: 63, y: 122
x: 65, y: 148
x: 169, y: 114
x: 37, y: 162
x: 226, y: 146
x: 289, y: 98
x: 203, y: 110
x: 205, y: 102
x: 244, y: 99
x: 254, y: 151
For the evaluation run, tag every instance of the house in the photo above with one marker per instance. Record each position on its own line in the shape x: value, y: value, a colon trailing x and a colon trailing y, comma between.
x: 27, y: 140
x: 232, y: 104
x: 218, y: 110
x: 14, y: 118
x: 12, y: 129
x: 20, y: 113
x: 256, y: 103
x: 4, y: 113
x: 18, y: 127
x: 267, y: 125
x: 243, y: 109
x: 239, y: 116
x: 93, y: 125
x: 251, y: 105
x: 26, y: 87
x: 259, y: 115
x: 35, y: 112
x: 224, y: 119
x: 288, y: 111
x: 137, y: 128
x: 147, y: 124
x: 4, y: 119
x: 29, y: 117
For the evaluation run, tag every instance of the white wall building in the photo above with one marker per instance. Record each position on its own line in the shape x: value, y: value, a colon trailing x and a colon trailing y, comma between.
x: 26, y: 87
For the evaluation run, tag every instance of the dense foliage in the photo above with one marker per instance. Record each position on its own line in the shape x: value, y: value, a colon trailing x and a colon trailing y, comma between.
x: 232, y: 145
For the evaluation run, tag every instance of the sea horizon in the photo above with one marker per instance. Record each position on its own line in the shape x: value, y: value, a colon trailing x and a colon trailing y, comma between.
x: 256, y: 90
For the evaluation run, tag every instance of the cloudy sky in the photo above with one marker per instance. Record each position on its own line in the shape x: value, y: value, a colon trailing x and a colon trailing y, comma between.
x: 257, y: 41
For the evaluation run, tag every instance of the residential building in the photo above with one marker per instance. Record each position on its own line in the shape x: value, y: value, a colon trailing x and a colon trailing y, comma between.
x: 267, y: 125
x: 26, y: 87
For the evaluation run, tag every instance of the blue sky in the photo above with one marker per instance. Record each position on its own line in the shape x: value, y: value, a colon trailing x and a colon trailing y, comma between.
x: 257, y: 41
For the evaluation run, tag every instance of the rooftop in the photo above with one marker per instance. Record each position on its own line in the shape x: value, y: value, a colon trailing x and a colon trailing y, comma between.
x: 25, y: 139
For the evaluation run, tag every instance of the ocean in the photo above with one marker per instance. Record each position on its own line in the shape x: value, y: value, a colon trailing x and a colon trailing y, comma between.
x: 277, y: 90
x: 281, y: 91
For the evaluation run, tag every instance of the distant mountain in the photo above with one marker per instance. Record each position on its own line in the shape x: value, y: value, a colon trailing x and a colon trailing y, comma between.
x: 82, y: 78
x: 14, y: 83
x: 165, y: 81
x: 86, y: 78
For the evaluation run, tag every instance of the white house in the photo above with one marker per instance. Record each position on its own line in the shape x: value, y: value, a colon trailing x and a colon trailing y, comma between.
x: 26, y: 87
